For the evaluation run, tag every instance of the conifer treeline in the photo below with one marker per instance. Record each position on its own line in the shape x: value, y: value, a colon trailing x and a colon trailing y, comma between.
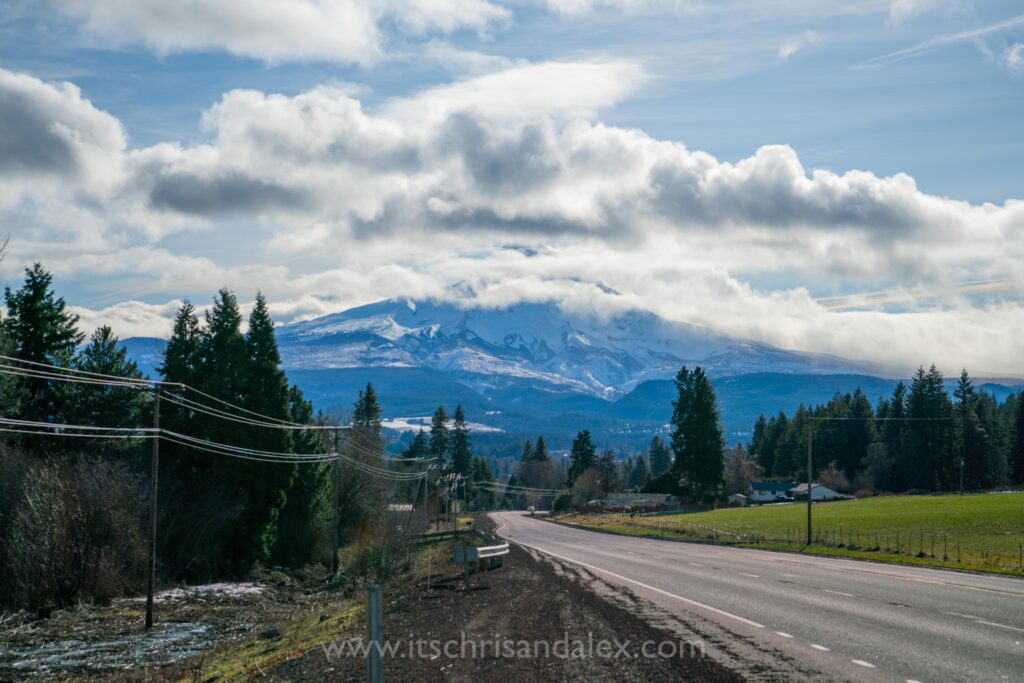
x: 919, y: 438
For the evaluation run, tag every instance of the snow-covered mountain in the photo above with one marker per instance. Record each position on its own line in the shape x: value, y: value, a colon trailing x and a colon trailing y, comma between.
x: 490, y: 348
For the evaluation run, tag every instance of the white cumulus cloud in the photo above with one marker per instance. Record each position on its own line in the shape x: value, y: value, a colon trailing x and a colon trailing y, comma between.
x: 347, y: 31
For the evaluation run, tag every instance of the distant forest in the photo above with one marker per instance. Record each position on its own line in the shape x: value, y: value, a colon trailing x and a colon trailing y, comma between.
x: 919, y: 438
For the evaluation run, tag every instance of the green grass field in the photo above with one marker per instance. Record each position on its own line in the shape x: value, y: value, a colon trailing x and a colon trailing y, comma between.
x: 978, y: 532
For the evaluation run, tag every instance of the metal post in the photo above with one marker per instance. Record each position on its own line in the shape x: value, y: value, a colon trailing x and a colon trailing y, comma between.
x: 335, y: 474
x: 154, y: 471
x: 810, y: 447
x: 426, y: 526
x: 374, y: 665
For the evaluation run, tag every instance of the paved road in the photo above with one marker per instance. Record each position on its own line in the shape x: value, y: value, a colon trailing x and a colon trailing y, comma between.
x: 853, y: 620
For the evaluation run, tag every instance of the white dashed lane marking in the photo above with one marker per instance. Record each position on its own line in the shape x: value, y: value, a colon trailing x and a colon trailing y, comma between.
x: 826, y: 590
x: 821, y: 648
x: 753, y: 576
x: 695, y: 564
x: 783, y: 634
x: 861, y: 662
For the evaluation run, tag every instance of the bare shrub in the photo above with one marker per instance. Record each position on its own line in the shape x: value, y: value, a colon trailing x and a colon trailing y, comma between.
x: 72, y: 532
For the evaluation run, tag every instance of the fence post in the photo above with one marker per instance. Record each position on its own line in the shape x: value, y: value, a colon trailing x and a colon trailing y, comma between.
x: 374, y: 664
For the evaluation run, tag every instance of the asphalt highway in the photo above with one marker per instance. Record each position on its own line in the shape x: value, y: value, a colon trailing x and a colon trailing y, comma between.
x: 848, y: 619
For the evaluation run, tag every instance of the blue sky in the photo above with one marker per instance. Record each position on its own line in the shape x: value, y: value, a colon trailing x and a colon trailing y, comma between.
x: 619, y: 139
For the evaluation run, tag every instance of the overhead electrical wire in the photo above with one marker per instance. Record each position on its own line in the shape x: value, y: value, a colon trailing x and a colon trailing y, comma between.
x: 56, y: 372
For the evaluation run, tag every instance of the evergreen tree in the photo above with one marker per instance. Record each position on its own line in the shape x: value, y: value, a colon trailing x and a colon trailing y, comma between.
x: 182, y: 355
x: 791, y: 448
x: 540, y: 453
x: 1017, y: 449
x: 697, y: 435
x: 929, y: 461
x: 640, y: 473
x: 607, y: 472
x: 583, y: 455
x: 757, y: 438
x: 307, y: 504
x: 361, y: 500
x: 527, y: 454
x: 440, y: 439
x: 419, y: 447
x: 40, y: 330
x: 105, y: 406
x: 462, y: 454
x: 659, y: 455
x: 860, y: 433
x: 768, y: 449
x: 264, y: 485
x: 480, y: 473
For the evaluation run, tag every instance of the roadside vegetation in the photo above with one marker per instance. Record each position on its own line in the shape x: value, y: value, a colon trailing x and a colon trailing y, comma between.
x: 983, y: 532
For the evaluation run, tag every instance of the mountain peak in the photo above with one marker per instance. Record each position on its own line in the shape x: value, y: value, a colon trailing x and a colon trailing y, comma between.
x: 540, y: 342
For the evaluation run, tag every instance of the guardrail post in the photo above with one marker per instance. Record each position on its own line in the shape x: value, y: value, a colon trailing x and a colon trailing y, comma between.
x: 374, y: 663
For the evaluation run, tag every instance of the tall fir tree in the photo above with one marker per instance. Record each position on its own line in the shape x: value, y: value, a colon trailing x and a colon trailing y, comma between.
x: 108, y: 405
x: 526, y: 454
x: 660, y: 456
x: 640, y: 472
x: 440, y: 438
x: 929, y: 454
x: 1017, y: 448
x: 608, y: 472
x: 540, y: 452
x: 697, y: 441
x: 40, y: 330
x: 462, y: 450
x: 306, y: 505
x: 583, y: 455
x: 418, y: 448
x: 266, y: 392
x: 362, y: 497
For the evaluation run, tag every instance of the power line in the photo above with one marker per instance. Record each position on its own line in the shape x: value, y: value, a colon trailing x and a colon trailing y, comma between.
x: 57, y: 425
x: 56, y: 372
x: 74, y: 434
x: 214, y: 412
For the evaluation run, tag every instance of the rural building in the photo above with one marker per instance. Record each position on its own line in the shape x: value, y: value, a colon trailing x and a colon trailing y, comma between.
x: 818, y: 492
x: 737, y: 500
x: 769, y: 491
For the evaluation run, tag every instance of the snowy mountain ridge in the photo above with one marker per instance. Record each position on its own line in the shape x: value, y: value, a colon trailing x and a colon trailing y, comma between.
x: 487, y: 348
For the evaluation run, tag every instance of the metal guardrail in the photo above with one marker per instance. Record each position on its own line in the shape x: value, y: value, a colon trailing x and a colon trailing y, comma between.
x: 492, y: 551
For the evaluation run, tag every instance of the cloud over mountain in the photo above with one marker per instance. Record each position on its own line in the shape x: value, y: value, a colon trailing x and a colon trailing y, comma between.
x: 325, y: 203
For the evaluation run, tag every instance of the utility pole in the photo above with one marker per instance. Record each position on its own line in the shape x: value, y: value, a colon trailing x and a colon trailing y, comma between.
x: 154, y: 470
x: 810, y: 448
x: 334, y: 504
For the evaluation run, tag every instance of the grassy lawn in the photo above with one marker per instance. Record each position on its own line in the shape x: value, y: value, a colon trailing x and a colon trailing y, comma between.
x: 980, y: 532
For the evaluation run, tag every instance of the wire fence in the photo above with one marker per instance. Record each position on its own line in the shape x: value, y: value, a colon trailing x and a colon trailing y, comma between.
x: 928, y: 545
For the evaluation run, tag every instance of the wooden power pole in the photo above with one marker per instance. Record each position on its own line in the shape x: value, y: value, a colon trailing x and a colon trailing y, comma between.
x: 154, y: 470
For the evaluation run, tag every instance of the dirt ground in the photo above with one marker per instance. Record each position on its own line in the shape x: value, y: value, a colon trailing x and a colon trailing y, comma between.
x: 530, y: 620
x: 513, y: 611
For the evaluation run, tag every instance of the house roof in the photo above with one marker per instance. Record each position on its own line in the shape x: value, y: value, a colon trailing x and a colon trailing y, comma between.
x: 772, y: 485
x: 802, y: 488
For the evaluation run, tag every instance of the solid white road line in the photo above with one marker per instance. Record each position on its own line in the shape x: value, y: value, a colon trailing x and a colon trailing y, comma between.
x: 992, y: 623
x: 701, y: 605
x: 822, y: 648
x: 861, y: 662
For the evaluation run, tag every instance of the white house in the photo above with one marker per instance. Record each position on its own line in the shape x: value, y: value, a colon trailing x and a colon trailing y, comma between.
x: 769, y: 491
x: 818, y: 492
